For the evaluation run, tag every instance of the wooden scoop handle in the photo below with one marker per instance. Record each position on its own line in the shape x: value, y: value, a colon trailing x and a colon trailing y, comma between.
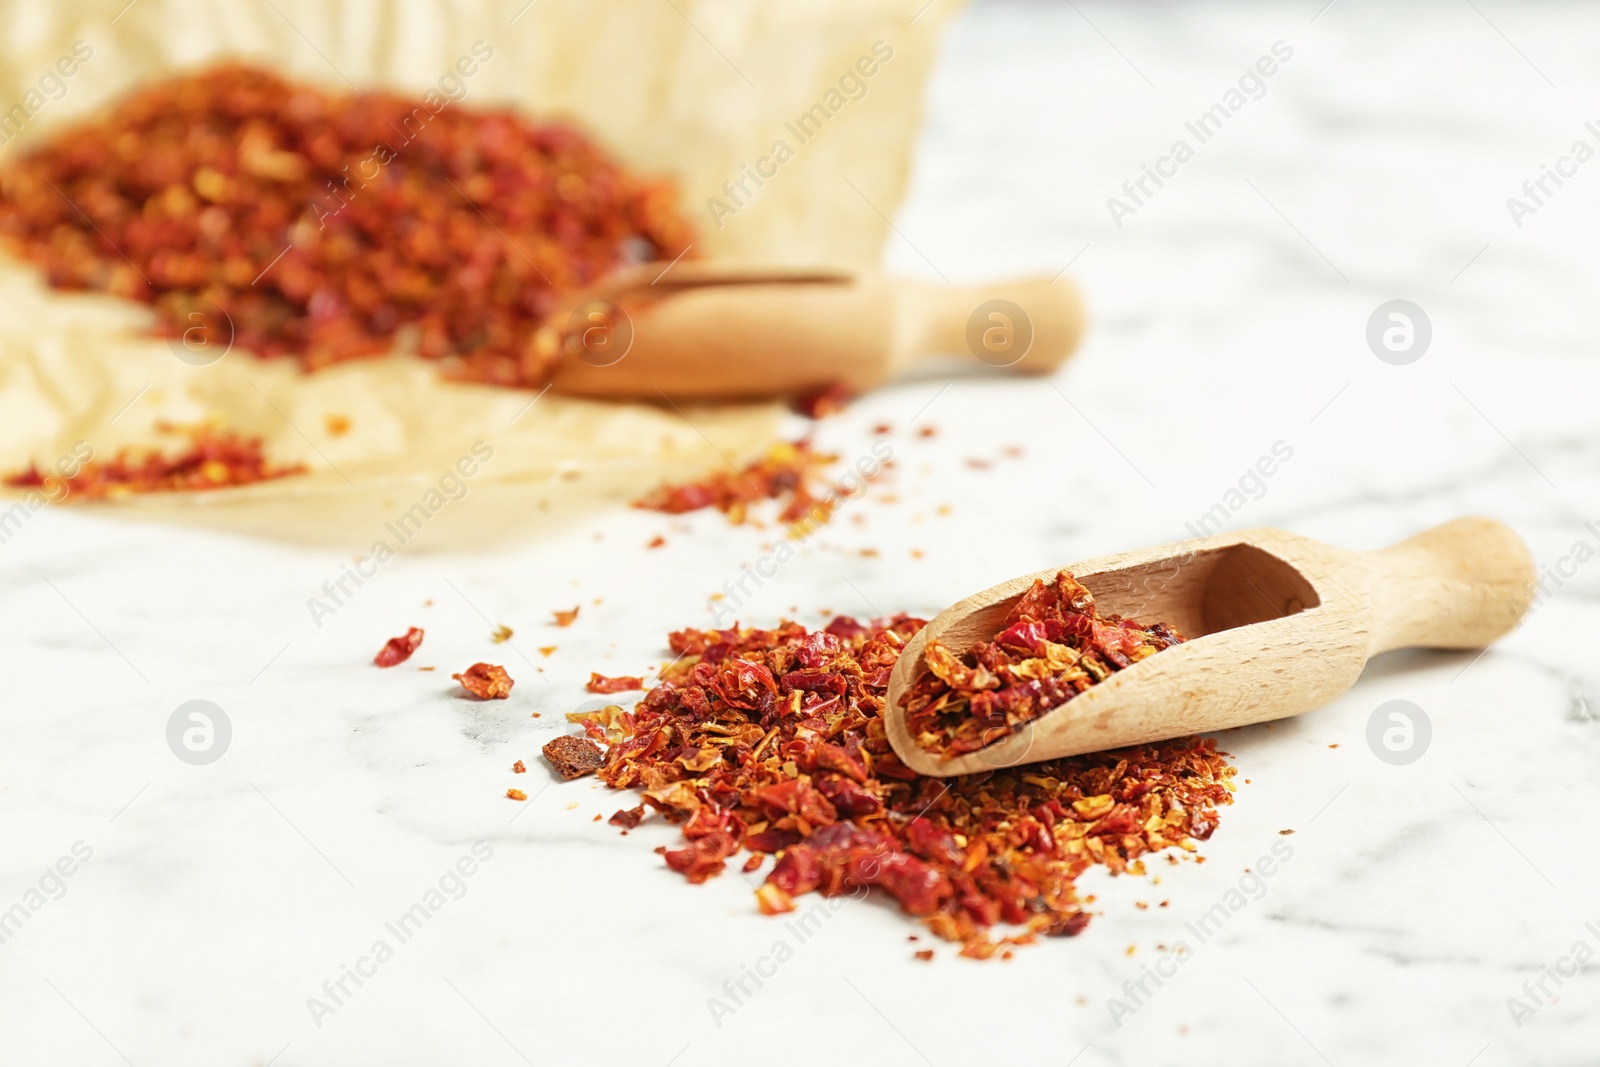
x: 1459, y: 585
x: 712, y: 331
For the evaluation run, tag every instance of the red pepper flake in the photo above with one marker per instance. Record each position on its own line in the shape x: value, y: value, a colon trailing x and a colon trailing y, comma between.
x: 519, y: 768
x: 656, y: 542
x: 928, y: 431
x: 599, y: 683
x: 566, y: 618
x: 268, y: 201
x: 547, y: 650
x: 926, y: 954
x: 572, y: 757
x: 485, y: 681
x: 628, y: 818
x: 752, y: 863
x: 213, y: 459
x: 882, y: 428
x: 1052, y: 646
x: 823, y: 402
x: 790, y: 472
x: 516, y: 794
x: 501, y: 634
x: 772, y: 742
x: 398, y: 649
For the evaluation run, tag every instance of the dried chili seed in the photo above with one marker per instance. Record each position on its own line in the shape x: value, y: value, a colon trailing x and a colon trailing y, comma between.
x: 772, y: 741
x: 599, y: 683
x: 485, y: 681
x: 1052, y: 646
x: 573, y: 757
x: 789, y: 471
x: 213, y: 459
x: 398, y: 649
x: 322, y: 225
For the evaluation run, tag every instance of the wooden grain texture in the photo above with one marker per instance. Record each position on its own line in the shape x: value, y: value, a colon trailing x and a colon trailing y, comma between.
x: 721, y: 331
x: 1278, y: 625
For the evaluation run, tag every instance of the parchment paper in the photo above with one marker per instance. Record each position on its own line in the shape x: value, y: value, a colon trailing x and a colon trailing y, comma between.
x: 704, y: 90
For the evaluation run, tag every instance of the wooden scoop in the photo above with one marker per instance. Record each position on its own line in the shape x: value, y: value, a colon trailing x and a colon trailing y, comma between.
x: 715, y: 331
x: 1277, y: 625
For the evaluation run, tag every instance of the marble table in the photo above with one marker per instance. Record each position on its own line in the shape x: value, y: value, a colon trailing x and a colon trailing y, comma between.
x: 1439, y: 910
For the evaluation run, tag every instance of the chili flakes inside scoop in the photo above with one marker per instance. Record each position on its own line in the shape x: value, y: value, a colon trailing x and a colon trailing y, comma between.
x: 1052, y: 646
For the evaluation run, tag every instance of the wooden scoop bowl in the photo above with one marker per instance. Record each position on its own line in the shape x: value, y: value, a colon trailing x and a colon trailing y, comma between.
x: 1277, y: 625
x: 699, y: 331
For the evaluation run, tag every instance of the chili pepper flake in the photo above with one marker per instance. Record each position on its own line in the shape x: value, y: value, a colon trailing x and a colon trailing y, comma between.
x: 925, y: 954
x: 398, y: 649
x: 599, y: 683
x: 573, y: 757
x: 789, y: 472
x: 772, y: 742
x: 547, y: 650
x: 486, y: 681
x: 820, y: 403
x: 566, y: 618
x: 212, y: 459
x: 628, y: 818
x: 501, y: 634
x: 336, y: 425
x: 516, y: 794
x: 320, y: 226
x: 519, y: 768
x: 656, y: 542
x: 1052, y: 646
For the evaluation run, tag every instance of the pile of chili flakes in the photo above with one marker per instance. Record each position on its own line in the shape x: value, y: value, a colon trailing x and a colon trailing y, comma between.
x: 213, y: 459
x: 1052, y: 646
x: 330, y: 227
x: 772, y: 741
x: 789, y: 471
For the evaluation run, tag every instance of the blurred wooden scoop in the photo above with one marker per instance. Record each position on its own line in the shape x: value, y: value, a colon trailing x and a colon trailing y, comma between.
x: 1277, y: 625
x: 712, y: 330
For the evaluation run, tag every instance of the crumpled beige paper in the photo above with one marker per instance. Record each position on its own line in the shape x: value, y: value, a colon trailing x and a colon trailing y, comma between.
x: 788, y: 128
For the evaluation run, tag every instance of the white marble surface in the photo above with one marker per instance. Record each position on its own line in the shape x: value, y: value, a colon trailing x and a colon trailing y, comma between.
x: 1230, y: 314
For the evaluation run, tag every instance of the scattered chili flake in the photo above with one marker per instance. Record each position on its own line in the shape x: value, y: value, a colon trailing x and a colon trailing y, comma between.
x: 979, y: 464
x: 1052, y: 646
x: 398, y: 649
x: 501, y: 634
x: 882, y: 428
x: 547, y: 650
x: 567, y: 618
x: 656, y: 542
x: 599, y: 683
x: 928, y: 431
x: 771, y: 742
x: 596, y: 818
x: 790, y: 471
x: 427, y: 668
x: 752, y: 863
x: 321, y: 225
x: 924, y: 954
x: 516, y: 794
x: 213, y: 459
x: 821, y: 403
x: 485, y: 681
x: 1285, y: 833
x: 337, y: 425
x: 572, y: 757
x: 628, y: 818
x: 519, y: 768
